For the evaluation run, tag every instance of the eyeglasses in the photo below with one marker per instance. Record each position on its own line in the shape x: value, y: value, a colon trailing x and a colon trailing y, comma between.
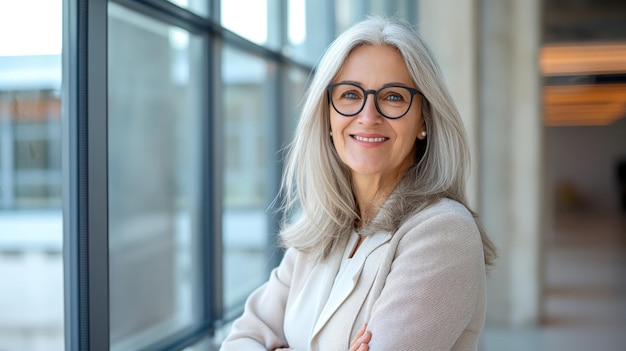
x: 391, y: 101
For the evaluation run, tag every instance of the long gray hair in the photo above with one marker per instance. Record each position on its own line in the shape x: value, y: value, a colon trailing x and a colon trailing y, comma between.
x: 317, y: 183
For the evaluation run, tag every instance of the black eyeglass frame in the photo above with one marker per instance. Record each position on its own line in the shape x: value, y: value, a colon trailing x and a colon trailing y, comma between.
x: 413, y: 91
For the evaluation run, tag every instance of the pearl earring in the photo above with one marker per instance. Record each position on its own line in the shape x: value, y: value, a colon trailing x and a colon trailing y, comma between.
x: 423, y: 133
x: 331, y: 133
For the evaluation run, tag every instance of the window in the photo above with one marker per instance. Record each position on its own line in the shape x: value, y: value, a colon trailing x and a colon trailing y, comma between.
x: 140, y: 155
x: 309, y: 29
x: 295, y: 81
x: 249, y: 130
x: 155, y: 90
x: 254, y: 20
x: 201, y: 7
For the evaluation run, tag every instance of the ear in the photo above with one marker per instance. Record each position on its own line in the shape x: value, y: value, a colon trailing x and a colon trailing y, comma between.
x: 421, y: 132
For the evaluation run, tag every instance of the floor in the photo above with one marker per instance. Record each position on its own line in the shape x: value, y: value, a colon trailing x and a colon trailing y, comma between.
x: 585, y: 290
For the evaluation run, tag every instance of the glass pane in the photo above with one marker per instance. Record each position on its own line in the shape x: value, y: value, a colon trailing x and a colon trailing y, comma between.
x: 405, y: 9
x: 155, y: 119
x: 249, y: 135
x: 309, y: 30
x: 255, y: 20
x: 31, y: 224
x: 349, y: 12
x: 200, y: 7
x: 294, y: 99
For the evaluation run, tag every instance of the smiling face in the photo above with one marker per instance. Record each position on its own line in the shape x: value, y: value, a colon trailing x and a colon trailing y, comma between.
x: 368, y: 143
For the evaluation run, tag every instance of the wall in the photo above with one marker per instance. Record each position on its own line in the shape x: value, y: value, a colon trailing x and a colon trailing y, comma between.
x: 581, y: 165
x: 488, y: 51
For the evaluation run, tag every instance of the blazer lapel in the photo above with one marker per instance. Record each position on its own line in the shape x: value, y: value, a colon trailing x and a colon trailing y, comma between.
x: 348, y: 278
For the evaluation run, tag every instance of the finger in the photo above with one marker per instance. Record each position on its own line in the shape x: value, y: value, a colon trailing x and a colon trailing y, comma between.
x: 361, y: 346
x: 361, y: 340
x: 359, y: 334
x: 365, y: 338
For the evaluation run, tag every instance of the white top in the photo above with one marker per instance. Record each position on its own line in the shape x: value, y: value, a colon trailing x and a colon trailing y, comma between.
x: 321, y: 288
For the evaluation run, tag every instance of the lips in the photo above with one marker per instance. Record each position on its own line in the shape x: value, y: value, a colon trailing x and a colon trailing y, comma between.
x: 369, y: 140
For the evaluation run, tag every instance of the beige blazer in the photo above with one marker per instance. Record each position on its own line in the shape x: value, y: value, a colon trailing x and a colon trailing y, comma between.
x: 420, y: 288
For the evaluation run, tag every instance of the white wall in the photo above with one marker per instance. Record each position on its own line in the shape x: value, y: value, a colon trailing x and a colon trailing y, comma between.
x: 450, y: 29
x: 488, y: 51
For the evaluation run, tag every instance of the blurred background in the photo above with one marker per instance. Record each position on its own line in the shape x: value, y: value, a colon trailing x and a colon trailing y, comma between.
x: 140, y: 154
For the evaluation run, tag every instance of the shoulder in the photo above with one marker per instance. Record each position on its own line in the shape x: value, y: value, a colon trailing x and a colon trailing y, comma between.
x: 443, y: 211
x: 445, y: 222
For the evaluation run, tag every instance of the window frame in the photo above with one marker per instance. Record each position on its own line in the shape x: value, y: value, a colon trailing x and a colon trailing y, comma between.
x: 84, y: 167
x: 85, y: 164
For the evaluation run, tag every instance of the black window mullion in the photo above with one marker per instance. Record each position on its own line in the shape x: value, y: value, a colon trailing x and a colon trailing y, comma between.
x: 213, y: 167
x: 274, y: 129
x: 85, y: 167
x: 213, y: 189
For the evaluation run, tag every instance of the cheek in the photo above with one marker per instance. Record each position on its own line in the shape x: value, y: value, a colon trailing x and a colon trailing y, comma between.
x: 338, y: 123
x: 410, y: 131
x: 408, y: 144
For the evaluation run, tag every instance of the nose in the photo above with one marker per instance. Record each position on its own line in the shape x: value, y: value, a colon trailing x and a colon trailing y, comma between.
x: 369, y: 115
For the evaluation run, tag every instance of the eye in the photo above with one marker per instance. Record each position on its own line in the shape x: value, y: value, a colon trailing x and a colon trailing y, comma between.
x: 350, y: 95
x: 392, y: 96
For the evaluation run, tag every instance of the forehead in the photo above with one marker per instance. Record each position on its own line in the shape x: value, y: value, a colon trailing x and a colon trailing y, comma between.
x: 373, y: 66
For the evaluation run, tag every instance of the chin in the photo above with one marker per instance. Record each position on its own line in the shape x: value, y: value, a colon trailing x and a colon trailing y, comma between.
x: 369, y: 171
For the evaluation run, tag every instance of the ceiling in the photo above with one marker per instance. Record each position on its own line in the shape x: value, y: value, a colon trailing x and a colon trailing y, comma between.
x: 583, y: 62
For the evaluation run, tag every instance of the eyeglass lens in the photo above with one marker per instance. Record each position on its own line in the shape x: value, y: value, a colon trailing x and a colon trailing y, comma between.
x: 392, y: 102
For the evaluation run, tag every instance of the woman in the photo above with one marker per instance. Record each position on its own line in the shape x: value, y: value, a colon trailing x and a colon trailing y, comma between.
x: 384, y: 254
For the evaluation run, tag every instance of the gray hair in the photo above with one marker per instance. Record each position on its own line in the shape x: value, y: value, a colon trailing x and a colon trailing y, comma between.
x: 317, y: 183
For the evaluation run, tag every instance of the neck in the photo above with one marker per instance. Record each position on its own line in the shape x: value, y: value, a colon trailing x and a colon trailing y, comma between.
x: 371, y: 192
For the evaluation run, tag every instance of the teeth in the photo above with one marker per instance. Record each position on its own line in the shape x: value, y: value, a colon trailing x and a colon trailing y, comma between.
x: 369, y: 140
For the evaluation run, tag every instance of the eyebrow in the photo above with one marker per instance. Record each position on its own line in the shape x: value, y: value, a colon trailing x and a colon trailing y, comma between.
x: 384, y: 85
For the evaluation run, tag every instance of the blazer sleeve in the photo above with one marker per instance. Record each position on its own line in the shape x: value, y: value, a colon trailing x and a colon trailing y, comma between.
x: 260, y: 327
x: 434, y: 283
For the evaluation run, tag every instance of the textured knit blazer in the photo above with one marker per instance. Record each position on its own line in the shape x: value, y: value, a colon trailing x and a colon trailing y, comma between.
x: 420, y: 288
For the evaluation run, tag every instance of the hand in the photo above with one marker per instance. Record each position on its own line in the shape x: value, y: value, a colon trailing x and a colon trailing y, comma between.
x: 361, y: 340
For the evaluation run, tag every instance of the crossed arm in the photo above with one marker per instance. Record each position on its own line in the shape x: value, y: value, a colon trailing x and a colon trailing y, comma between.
x: 360, y: 342
x: 428, y: 299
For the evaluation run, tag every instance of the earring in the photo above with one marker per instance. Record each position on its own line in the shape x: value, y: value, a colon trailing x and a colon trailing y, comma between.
x: 331, y: 133
x: 423, y: 133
